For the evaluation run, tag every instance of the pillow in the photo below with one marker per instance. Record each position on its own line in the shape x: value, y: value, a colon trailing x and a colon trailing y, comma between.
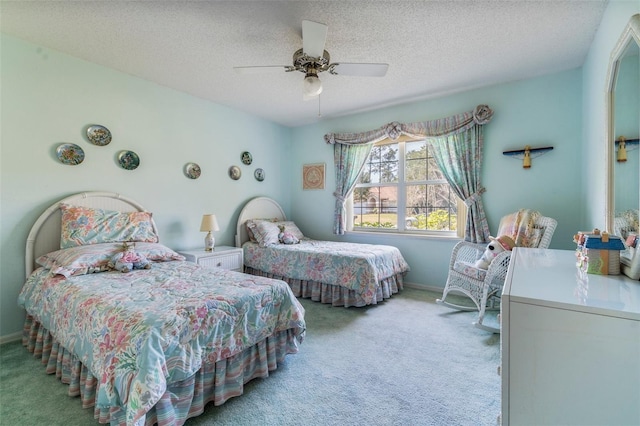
x: 535, y: 237
x: 265, y: 232
x: 252, y: 237
x: 81, y: 260
x: 156, y: 252
x: 85, y: 225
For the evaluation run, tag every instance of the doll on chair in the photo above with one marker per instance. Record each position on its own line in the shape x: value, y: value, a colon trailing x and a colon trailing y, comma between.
x: 495, y: 247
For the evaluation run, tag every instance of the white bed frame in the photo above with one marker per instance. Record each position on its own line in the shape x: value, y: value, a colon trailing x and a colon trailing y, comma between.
x: 257, y: 208
x: 44, y: 236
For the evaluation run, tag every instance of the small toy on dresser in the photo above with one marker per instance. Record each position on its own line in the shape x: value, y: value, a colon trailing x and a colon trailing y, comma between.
x: 495, y: 247
x: 286, y: 237
x: 598, y: 252
x: 128, y: 260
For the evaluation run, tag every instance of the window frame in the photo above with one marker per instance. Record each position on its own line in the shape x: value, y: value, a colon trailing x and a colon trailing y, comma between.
x: 401, y: 185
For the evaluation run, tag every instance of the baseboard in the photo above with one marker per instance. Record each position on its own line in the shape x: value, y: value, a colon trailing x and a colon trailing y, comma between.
x: 423, y: 287
x: 11, y: 337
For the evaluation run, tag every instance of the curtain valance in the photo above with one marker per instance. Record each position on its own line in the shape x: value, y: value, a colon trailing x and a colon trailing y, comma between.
x: 459, y: 123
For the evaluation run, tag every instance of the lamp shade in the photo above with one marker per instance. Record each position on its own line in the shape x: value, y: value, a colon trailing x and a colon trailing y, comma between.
x: 209, y: 223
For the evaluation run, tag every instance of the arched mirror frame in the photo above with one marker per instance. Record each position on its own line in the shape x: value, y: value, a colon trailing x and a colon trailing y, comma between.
x: 630, y: 34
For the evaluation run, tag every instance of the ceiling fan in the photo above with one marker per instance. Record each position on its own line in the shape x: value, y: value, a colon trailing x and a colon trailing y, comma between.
x: 312, y: 59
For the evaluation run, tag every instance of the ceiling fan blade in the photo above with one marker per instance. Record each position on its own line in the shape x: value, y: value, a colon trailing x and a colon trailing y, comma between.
x: 314, y: 36
x: 364, y: 70
x: 260, y: 69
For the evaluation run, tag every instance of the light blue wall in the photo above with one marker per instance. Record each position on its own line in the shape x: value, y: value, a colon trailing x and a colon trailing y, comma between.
x: 544, y: 111
x: 49, y: 98
x: 593, y: 172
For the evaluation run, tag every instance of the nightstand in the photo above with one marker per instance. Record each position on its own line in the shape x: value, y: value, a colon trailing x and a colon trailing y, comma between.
x: 225, y: 257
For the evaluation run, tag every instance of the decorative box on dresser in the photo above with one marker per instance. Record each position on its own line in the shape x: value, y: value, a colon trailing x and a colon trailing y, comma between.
x: 570, y: 343
x: 225, y: 257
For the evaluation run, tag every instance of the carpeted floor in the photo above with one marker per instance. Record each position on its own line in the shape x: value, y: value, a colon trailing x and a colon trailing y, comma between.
x: 407, y: 361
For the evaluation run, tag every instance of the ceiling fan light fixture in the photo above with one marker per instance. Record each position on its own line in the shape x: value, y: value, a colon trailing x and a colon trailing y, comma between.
x: 312, y: 85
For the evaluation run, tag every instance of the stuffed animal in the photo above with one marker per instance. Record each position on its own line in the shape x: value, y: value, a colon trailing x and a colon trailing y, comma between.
x: 286, y: 237
x: 495, y: 247
x: 128, y: 260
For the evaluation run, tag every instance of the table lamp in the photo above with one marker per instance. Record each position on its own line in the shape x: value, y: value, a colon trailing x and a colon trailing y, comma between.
x: 209, y: 223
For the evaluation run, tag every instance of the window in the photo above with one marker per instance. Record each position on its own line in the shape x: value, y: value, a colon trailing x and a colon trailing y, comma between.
x: 402, y: 189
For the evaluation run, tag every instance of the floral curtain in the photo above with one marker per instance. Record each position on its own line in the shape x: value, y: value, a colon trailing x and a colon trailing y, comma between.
x: 349, y: 159
x: 457, y: 143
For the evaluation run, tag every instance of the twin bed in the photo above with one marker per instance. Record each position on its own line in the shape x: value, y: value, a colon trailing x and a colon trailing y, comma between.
x: 152, y: 345
x: 339, y: 273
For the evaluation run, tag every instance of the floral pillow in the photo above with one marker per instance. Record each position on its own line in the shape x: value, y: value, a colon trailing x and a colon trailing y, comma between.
x: 89, y: 259
x: 85, y: 225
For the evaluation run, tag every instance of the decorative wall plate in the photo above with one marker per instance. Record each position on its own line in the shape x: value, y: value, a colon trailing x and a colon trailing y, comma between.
x: 99, y: 135
x: 259, y: 175
x: 192, y: 171
x: 246, y: 158
x: 70, y: 153
x: 234, y: 172
x: 128, y: 160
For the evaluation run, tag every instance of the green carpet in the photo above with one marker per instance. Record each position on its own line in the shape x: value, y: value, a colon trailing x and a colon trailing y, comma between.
x: 407, y: 361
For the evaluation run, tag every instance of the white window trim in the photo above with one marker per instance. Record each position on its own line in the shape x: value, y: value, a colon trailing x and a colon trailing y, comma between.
x: 461, y: 217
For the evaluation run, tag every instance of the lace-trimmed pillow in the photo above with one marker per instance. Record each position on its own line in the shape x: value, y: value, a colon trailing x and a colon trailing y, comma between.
x: 265, y: 232
x: 89, y: 259
x: 85, y: 225
x: 252, y: 237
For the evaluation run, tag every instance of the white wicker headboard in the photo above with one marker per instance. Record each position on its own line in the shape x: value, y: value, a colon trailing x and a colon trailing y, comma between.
x: 257, y: 208
x: 44, y: 236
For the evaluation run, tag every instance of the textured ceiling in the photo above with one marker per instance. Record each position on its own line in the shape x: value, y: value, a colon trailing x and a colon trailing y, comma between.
x: 432, y: 47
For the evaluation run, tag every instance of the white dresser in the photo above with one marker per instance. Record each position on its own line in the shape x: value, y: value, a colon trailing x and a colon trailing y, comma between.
x: 231, y: 258
x: 570, y: 343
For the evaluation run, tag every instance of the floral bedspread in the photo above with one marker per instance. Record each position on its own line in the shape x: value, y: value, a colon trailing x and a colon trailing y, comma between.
x: 140, y: 330
x: 355, y: 266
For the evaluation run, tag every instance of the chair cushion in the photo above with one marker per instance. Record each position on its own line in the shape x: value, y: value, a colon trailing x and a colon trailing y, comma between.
x: 469, y: 270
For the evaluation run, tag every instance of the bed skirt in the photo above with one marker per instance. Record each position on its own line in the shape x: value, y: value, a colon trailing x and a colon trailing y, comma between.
x: 336, y: 295
x: 215, y: 382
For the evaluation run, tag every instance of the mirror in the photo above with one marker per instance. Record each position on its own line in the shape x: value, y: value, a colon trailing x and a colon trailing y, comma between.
x: 626, y: 110
x: 623, y: 120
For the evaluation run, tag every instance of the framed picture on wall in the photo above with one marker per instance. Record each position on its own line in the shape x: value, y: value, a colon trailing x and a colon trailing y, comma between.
x: 313, y: 176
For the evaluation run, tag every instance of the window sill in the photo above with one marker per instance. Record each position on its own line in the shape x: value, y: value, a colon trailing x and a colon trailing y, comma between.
x: 395, y: 234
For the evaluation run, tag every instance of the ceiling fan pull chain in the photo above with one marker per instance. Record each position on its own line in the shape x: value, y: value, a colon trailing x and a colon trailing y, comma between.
x: 319, y: 115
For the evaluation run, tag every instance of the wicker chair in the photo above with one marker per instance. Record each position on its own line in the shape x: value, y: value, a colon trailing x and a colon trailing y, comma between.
x: 484, y: 287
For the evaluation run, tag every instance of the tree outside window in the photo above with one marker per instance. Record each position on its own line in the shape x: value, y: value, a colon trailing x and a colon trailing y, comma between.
x: 401, y: 188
